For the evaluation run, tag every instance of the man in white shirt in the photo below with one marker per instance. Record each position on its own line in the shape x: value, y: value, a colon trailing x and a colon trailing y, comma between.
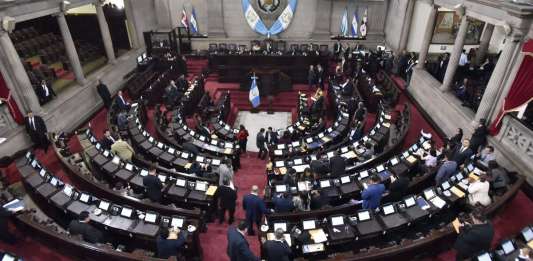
x: 478, y: 192
x: 44, y: 93
x: 463, y: 60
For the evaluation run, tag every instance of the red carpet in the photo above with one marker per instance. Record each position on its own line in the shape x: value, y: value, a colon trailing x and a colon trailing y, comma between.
x: 512, y: 218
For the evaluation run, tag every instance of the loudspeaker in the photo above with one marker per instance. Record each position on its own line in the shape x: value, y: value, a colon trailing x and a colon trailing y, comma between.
x: 8, y: 24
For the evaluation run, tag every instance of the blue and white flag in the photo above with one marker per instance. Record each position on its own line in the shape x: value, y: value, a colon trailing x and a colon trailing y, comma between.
x: 254, y: 93
x: 193, y: 22
x: 344, y: 23
x: 354, y: 24
x: 281, y: 23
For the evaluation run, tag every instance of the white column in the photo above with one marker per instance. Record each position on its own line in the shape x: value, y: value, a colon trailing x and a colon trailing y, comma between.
x: 130, y: 22
x: 428, y: 35
x: 500, y: 72
x: 70, y: 48
x: 23, y: 88
x: 456, y: 54
x: 484, y: 43
x: 404, y: 37
x: 104, y: 30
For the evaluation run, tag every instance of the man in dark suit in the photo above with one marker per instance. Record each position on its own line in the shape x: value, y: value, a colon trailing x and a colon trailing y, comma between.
x: 182, y: 85
x: 283, y: 203
x: 5, y: 235
x: 45, y: 93
x: 226, y: 199
x: 442, y: 66
x: 260, y: 142
x: 271, y: 136
x: 107, y: 140
x: 398, y: 188
x: 83, y: 228
x: 153, y: 185
x: 277, y: 249
x: 474, y: 237
x: 463, y: 153
x: 238, y: 248
x: 36, y: 129
x: 337, y: 49
x: 169, y: 243
x: 104, y: 93
x: 347, y: 87
x: 121, y: 102
x: 337, y: 164
x: 255, y: 209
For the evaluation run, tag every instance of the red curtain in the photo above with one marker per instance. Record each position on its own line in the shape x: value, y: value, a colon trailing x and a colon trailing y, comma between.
x: 5, y: 95
x: 521, y: 92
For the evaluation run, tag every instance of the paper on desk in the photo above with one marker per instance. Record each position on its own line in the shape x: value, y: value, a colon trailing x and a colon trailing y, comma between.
x: 318, y: 235
x: 228, y: 151
x: 412, y: 159
x: 530, y: 244
x: 304, y: 186
x: 188, y: 165
x: 326, y: 138
x: 459, y: 193
x: 278, y: 152
x: 456, y: 224
x: 211, y: 190
x: 15, y: 205
x: 349, y: 155
x: 473, y: 176
x: 386, y: 124
x: 438, y: 202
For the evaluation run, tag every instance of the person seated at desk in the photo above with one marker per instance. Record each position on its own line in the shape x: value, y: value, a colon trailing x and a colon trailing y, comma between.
x: 474, y: 236
x: 108, y: 140
x: 307, y: 175
x: 347, y: 87
x: 463, y: 153
x: 317, y: 200
x: 170, y: 242
x: 498, y: 177
x: 372, y: 195
x: 478, y: 191
x: 83, y: 228
x: 446, y: 170
x: 337, y: 164
x: 153, y: 185
x: 525, y: 254
x: 290, y: 178
x: 283, y: 203
x: 194, y: 168
x: 398, y: 187
x: 271, y: 136
x: 122, y: 149
x: 301, y: 202
x: 277, y: 249
x: 485, y: 156
x: 369, y: 151
x: 430, y: 161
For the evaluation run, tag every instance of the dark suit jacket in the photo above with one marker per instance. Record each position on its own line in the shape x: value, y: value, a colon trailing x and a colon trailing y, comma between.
x: 169, y: 247
x: 88, y: 232
x: 106, y: 143
x: 272, y: 137
x: 37, y: 134
x: 474, y: 239
x: 277, y: 250
x: 461, y: 157
x: 41, y: 93
x: 398, y: 188
x: 260, y: 140
x: 121, y: 105
x: 254, y: 206
x: 238, y: 248
x: 153, y: 187
x: 104, y: 94
x: 282, y: 205
x: 226, y: 197
x: 337, y: 166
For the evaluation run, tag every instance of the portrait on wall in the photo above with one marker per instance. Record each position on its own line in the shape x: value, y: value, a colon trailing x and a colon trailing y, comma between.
x: 447, y: 25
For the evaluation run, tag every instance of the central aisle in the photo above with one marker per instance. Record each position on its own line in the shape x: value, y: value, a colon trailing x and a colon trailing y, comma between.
x: 253, y: 122
x: 252, y: 172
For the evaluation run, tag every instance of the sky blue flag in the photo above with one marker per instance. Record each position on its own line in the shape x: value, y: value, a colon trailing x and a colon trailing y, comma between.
x: 254, y: 93
x: 344, y: 23
x: 193, y: 22
x: 354, y: 24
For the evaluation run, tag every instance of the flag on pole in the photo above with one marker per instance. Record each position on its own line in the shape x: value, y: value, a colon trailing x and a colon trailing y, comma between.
x: 363, y: 27
x: 184, y: 21
x: 254, y: 93
x: 194, y: 23
x: 354, y: 24
x: 344, y: 23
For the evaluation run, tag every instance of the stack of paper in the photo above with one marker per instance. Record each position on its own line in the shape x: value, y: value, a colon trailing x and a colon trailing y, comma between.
x: 318, y: 235
x: 411, y: 159
x: 456, y: 224
x: 459, y: 193
x: 438, y: 202
x: 211, y: 190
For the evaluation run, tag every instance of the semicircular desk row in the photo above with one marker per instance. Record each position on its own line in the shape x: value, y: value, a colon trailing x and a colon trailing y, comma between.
x: 136, y: 228
x: 360, y: 231
x: 178, y: 188
x: 354, y: 150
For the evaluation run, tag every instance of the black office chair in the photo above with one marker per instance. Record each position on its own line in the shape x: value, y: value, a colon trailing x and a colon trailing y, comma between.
x: 222, y: 47
x: 282, y: 46
x: 294, y: 47
x: 213, y: 47
x: 304, y: 47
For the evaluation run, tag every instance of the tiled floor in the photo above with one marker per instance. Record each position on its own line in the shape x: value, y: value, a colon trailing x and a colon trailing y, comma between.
x: 253, y: 122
